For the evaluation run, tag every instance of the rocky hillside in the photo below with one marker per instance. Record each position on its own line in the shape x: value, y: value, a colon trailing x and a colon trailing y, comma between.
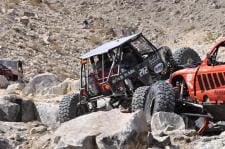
x: 48, y: 35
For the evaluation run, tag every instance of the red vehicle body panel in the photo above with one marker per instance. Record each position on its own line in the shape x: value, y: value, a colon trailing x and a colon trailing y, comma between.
x: 5, y: 71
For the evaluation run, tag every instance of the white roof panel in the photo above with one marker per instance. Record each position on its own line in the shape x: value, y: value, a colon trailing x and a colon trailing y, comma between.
x: 108, y: 46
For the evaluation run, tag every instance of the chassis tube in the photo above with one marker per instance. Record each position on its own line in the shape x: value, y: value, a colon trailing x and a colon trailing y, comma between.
x: 103, y: 67
x: 112, y: 67
x: 81, y: 76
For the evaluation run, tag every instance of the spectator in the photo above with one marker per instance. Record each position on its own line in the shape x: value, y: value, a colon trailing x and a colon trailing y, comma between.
x: 86, y: 24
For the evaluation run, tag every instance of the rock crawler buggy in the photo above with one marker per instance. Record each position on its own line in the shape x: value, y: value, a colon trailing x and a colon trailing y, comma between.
x: 122, y: 70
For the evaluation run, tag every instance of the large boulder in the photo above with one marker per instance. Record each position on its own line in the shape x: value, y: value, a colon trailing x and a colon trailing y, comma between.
x: 39, y: 84
x: 9, y: 111
x: 67, y: 86
x: 101, y: 130
x: 163, y: 124
x: 47, y: 113
x: 13, y: 108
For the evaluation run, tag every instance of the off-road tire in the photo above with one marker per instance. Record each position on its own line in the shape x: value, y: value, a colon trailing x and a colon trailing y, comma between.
x: 162, y: 98
x: 181, y: 56
x: 70, y: 108
x: 139, y: 97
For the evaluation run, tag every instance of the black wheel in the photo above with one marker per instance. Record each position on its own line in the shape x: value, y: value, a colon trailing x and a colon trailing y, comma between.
x: 186, y: 56
x: 161, y: 98
x: 70, y: 107
x: 139, y: 97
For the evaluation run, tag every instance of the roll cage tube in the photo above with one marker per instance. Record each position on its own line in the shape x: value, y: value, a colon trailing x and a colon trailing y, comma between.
x: 211, y: 57
x: 113, y: 64
x: 84, y: 71
x: 81, y: 76
x: 216, y: 47
x: 103, y: 70
x: 153, y: 47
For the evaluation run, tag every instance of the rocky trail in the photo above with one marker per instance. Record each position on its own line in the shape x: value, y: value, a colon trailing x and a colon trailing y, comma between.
x: 31, y: 121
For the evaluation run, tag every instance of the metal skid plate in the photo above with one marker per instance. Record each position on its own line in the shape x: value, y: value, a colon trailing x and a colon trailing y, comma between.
x: 217, y: 111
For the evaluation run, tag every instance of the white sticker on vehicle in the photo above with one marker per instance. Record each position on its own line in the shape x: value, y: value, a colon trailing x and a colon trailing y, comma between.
x: 143, y: 71
x: 158, y: 68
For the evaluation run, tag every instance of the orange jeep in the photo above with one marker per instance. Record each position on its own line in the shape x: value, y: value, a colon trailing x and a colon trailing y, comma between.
x: 202, y: 87
x: 205, y: 83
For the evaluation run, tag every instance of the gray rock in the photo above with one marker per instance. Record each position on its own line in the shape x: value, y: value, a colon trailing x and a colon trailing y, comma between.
x: 39, y: 129
x: 4, y: 144
x: 67, y: 86
x: 209, y: 143
x: 47, y: 113
x: 15, y: 134
x: 39, y: 84
x: 165, y: 122
x: 3, y: 82
x: 111, y: 129
x: 15, y: 88
x: 43, y: 142
x: 18, y: 109
x: 9, y: 111
x: 29, y: 111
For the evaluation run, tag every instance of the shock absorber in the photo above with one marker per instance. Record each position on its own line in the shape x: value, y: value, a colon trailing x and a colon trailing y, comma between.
x: 181, y: 90
x: 177, y: 89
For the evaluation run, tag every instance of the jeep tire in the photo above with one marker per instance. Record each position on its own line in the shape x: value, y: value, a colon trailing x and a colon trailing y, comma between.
x: 70, y: 107
x: 162, y: 98
x: 139, y: 98
x: 186, y: 56
x: 159, y: 97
